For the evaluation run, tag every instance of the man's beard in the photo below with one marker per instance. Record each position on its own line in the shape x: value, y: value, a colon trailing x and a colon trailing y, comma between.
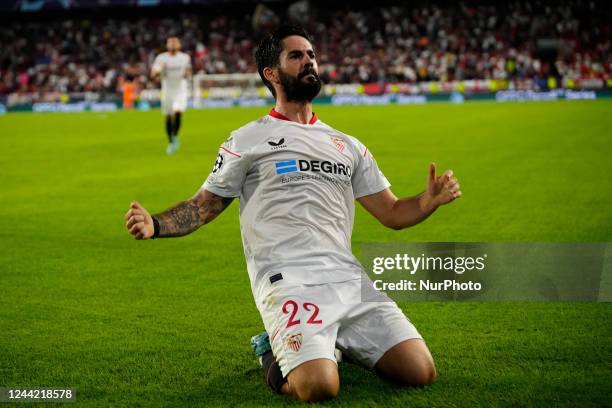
x: 299, y: 90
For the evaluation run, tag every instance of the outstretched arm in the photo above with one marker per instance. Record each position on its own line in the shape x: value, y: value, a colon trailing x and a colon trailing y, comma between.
x: 403, y: 213
x: 157, y: 69
x: 187, y: 73
x: 182, y: 219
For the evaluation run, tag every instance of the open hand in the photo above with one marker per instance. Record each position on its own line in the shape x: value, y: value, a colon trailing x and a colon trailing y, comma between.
x: 442, y: 189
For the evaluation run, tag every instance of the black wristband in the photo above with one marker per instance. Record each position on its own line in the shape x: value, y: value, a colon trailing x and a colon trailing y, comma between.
x: 155, y: 228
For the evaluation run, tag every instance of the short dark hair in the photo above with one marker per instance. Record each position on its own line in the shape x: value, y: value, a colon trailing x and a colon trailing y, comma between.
x: 270, y: 48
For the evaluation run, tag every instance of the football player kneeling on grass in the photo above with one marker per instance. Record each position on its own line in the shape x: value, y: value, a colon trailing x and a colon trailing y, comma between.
x: 298, y: 179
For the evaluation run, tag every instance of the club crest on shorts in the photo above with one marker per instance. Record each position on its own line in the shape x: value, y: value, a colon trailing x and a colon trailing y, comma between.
x: 338, y: 142
x: 294, y: 341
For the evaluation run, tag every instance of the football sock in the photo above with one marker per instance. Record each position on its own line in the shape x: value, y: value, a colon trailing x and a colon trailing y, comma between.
x: 169, y: 127
x: 272, y: 371
x: 177, y: 123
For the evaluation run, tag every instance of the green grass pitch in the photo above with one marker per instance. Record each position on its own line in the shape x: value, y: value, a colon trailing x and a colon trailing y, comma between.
x: 168, y: 322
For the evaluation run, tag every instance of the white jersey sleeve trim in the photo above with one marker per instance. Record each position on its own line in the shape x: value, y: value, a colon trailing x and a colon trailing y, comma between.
x: 374, y: 190
x: 367, y: 178
x: 219, y: 192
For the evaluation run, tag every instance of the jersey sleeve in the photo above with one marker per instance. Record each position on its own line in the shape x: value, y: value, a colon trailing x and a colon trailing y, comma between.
x: 228, y: 172
x: 157, y: 63
x: 367, y: 178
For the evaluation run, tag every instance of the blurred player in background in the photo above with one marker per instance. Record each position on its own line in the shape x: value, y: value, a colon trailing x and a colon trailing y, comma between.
x: 298, y: 179
x: 174, y: 67
x: 129, y: 89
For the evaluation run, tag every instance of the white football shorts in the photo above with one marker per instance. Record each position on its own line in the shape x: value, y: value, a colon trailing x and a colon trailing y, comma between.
x: 307, y: 322
x: 173, y: 102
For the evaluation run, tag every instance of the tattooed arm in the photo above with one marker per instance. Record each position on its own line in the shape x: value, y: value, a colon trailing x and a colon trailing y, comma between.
x: 190, y: 215
x: 182, y: 219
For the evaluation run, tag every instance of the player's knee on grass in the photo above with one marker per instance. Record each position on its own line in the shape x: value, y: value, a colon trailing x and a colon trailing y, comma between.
x: 419, y: 375
x: 314, y: 380
x: 409, y: 363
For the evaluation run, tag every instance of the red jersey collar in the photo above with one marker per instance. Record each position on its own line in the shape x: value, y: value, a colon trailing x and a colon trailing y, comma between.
x: 277, y: 115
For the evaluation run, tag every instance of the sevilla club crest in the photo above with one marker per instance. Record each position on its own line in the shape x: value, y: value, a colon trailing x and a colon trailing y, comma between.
x: 294, y: 341
x: 338, y: 142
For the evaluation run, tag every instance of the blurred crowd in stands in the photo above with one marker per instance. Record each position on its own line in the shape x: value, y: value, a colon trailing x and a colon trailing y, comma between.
x: 405, y: 43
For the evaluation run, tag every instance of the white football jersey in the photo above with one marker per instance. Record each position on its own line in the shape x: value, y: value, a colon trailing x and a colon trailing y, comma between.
x: 297, y: 186
x: 172, y: 70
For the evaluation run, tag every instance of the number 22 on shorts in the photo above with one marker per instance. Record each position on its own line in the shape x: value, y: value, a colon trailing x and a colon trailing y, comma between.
x: 291, y: 307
